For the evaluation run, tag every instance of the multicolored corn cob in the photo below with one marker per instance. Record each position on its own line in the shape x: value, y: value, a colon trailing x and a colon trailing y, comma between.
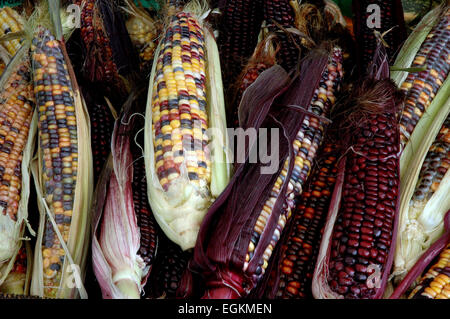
x: 58, y: 140
x: 294, y: 270
x: 421, y: 87
x: 16, y: 280
x: 100, y: 65
x: 435, y: 284
x: 185, y: 130
x: 238, y: 36
x: 435, y: 166
x: 10, y: 22
x: 179, y: 108
x: 307, y: 141
x: 280, y: 13
x: 16, y: 110
x: 380, y: 16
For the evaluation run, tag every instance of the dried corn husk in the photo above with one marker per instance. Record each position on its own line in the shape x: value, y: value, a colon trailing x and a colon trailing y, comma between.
x: 419, y: 230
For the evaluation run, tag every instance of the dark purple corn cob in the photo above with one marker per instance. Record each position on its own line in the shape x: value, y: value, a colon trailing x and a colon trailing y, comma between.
x: 280, y: 12
x: 239, y: 27
x: 168, y: 269
x: 145, y: 218
x: 102, y: 125
x: 391, y: 16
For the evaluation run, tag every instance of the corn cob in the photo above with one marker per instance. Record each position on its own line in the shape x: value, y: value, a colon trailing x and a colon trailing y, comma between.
x: 173, y: 6
x: 307, y: 142
x: 422, y: 87
x: 10, y: 22
x: 435, y: 284
x: 282, y: 13
x: 143, y: 33
x: 423, y: 220
x: 185, y: 104
x: 299, y: 251
x: 170, y: 264
x: 145, y: 219
x: 357, y: 248
x: 242, y: 228
x: 101, y: 66
x: 435, y: 166
x: 15, y: 283
x: 102, y: 124
x: 62, y: 169
x: 238, y: 36
x: 59, y: 142
x: 390, y: 15
x: 364, y: 230
x: 262, y: 59
x: 16, y: 114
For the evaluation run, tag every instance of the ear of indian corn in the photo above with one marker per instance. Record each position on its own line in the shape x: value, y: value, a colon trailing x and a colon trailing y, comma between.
x: 17, y: 134
x: 143, y: 31
x: 435, y: 284
x: 239, y: 27
x: 292, y: 276
x: 262, y: 59
x: 118, y: 266
x: 423, y: 215
x: 185, y: 132
x: 384, y: 17
x: 17, y: 281
x: 62, y: 169
x: 430, y: 104
x: 280, y: 13
x: 11, y: 22
x: 101, y: 118
x: 357, y: 248
x: 125, y: 234
x: 427, y: 47
x: 145, y: 220
x: 233, y: 253
x: 170, y: 264
x: 307, y: 141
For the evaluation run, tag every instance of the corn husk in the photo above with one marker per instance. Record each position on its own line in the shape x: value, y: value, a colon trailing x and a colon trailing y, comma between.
x: 180, y: 211
x: 419, y: 230
x: 18, y: 283
x: 425, y: 260
x: 76, y: 247
x: 120, y: 270
x: 12, y: 232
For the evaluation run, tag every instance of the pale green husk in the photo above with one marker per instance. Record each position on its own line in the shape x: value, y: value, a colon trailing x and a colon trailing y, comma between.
x: 418, y: 228
x: 180, y: 211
